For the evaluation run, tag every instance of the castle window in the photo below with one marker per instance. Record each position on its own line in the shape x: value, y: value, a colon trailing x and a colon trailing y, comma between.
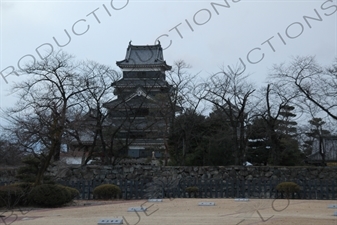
x: 141, y: 112
x: 141, y: 74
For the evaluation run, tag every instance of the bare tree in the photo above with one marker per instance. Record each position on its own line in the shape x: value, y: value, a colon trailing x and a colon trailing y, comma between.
x: 314, y: 83
x: 276, y: 101
x: 183, y: 85
x: 102, y: 126
x: 232, y: 93
x: 40, y: 118
x: 179, y: 98
x: 88, y: 122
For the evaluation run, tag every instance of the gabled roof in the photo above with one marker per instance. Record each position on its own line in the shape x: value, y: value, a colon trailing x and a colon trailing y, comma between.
x: 137, y: 99
x: 143, y: 56
x: 139, y: 92
x: 152, y: 83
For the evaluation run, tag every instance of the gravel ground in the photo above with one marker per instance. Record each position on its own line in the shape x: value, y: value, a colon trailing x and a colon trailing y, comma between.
x: 181, y: 211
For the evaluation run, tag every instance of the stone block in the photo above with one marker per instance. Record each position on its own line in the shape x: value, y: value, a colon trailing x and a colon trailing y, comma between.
x: 136, y: 209
x: 249, y: 177
x: 110, y: 221
x: 243, y: 173
x: 241, y: 199
x: 206, y: 204
x: 268, y: 174
x: 155, y: 200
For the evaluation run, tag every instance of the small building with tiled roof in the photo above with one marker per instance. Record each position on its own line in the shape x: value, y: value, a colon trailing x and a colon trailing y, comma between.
x: 329, y: 148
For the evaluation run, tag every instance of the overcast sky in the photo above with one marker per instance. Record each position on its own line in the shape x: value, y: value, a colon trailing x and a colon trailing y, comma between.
x: 206, y: 34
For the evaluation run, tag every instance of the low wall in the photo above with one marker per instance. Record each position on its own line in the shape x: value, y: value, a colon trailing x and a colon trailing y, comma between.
x: 146, y: 181
x: 139, y: 172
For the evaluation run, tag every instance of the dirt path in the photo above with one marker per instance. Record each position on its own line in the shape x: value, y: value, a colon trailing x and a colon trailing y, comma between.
x: 183, y: 211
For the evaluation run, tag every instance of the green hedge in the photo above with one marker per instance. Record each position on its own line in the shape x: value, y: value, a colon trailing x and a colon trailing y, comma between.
x: 74, y: 193
x: 29, y: 170
x: 192, y: 191
x: 14, y: 194
x: 51, y: 195
x: 107, y: 191
x: 10, y: 195
x: 288, y: 188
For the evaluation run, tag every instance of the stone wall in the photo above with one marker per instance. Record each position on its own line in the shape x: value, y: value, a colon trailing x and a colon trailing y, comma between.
x: 139, y: 172
x: 162, y: 181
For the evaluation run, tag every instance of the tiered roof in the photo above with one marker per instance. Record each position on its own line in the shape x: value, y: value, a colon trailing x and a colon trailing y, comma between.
x: 144, y: 56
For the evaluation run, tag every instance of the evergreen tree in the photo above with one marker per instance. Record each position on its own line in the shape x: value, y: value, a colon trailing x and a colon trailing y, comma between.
x: 258, y: 149
x: 219, y: 141
x: 277, y: 137
x: 185, y: 140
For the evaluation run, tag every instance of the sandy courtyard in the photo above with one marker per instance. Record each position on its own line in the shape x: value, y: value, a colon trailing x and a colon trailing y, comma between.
x: 183, y: 211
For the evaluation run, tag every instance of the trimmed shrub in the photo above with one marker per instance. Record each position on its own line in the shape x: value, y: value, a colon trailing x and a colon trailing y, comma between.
x: 107, y: 191
x: 288, y: 188
x: 27, y: 172
x: 74, y: 193
x: 14, y: 195
x: 10, y: 195
x: 192, y: 191
x: 26, y: 188
x: 51, y: 195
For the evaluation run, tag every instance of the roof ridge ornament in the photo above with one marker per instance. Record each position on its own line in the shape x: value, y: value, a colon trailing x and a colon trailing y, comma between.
x: 130, y: 42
